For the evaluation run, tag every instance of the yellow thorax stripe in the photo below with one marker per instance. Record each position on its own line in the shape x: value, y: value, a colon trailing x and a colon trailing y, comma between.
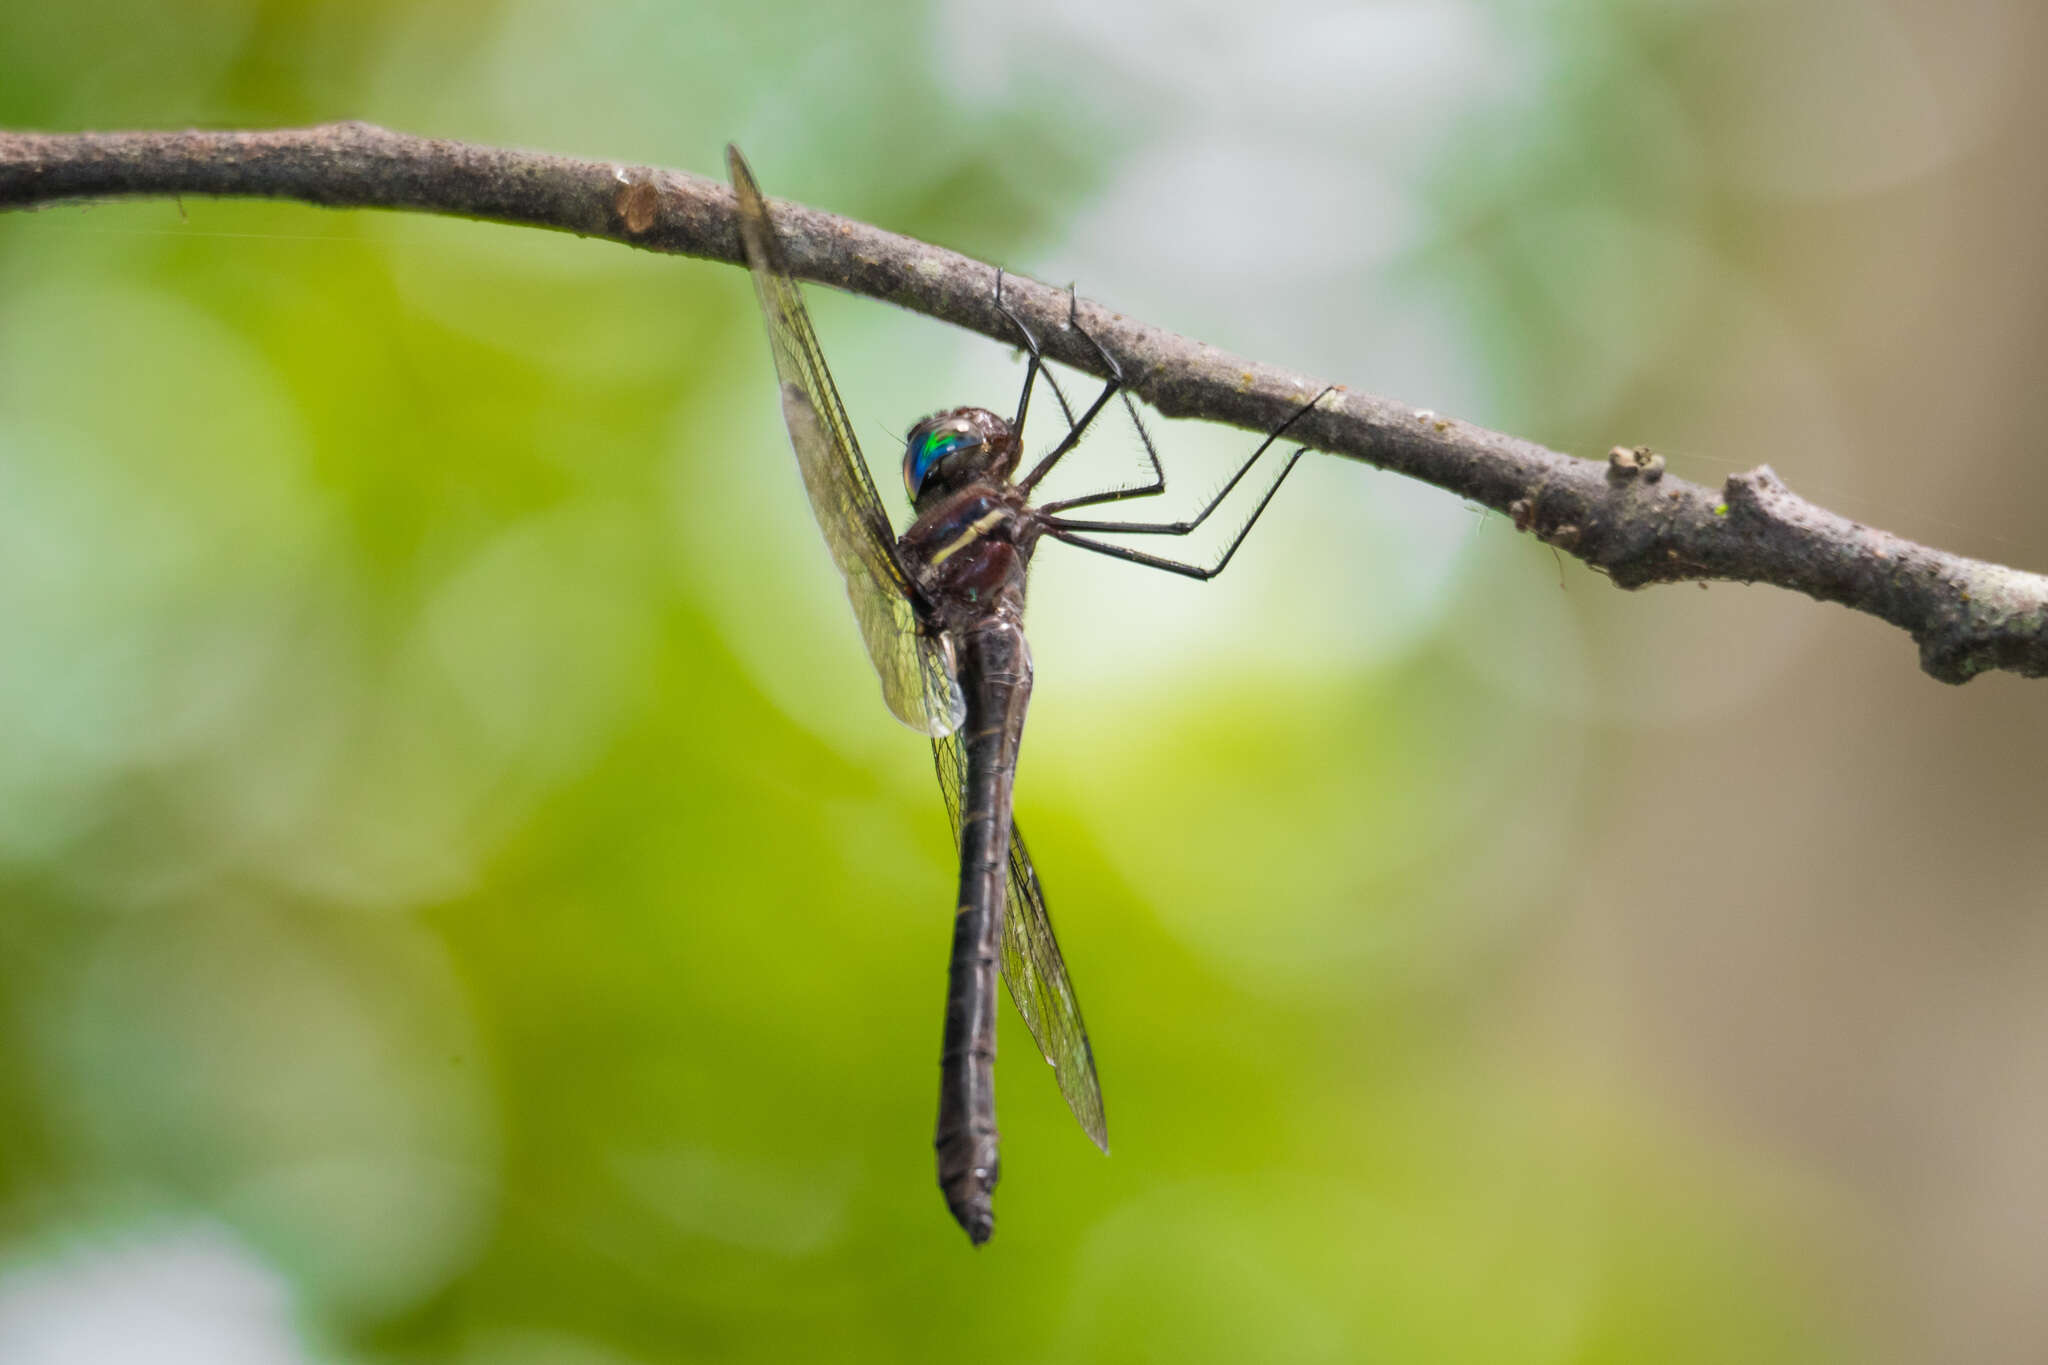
x: 973, y: 533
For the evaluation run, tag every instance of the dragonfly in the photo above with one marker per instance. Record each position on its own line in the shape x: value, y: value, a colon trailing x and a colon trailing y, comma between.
x: 941, y: 610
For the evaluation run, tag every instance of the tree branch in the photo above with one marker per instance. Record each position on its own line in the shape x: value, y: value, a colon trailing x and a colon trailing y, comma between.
x: 1621, y: 516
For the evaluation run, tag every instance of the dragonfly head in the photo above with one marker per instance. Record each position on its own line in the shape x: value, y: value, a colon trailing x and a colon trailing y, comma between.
x: 952, y: 449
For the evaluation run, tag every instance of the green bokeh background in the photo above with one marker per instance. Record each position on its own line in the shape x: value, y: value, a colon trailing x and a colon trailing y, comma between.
x: 462, y: 898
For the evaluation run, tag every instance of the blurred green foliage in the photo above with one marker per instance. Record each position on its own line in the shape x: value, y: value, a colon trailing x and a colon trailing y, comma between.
x: 417, y: 873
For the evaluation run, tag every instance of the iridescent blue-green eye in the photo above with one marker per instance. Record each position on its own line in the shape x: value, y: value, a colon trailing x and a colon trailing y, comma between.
x: 927, y: 451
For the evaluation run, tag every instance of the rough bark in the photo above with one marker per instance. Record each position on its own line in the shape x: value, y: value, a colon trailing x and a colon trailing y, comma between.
x: 1621, y: 515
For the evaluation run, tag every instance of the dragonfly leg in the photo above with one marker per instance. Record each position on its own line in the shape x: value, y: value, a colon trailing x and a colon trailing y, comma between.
x: 1034, y: 367
x: 1034, y: 364
x: 1109, y: 362
x: 1175, y: 528
x: 1076, y: 429
x: 1078, y: 532
x: 1067, y: 534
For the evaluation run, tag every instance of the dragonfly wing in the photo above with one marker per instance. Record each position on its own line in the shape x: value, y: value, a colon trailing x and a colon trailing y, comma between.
x: 1033, y: 968
x: 912, y: 655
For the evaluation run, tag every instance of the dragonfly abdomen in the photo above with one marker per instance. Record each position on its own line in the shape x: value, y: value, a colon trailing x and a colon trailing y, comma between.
x: 995, y: 674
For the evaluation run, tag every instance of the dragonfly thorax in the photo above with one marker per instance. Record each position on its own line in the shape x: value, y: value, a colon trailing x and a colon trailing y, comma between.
x: 949, y: 450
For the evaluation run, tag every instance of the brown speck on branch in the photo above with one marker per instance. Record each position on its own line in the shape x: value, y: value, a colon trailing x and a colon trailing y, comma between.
x: 636, y: 202
x: 1967, y: 616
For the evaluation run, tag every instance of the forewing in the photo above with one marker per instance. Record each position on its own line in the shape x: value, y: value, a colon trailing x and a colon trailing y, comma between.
x: 913, y: 657
x: 1033, y: 968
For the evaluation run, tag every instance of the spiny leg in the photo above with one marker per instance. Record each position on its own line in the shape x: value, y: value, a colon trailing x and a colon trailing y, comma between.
x: 1181, y: 528
x: 1034, y: 366
x: 1204, y: 572
x: 1066, y: 529
x: 1109, y: 362
x: 1075, y: 430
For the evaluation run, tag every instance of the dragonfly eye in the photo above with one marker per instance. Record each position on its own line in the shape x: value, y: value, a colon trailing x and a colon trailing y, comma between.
x: 925, y: 451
